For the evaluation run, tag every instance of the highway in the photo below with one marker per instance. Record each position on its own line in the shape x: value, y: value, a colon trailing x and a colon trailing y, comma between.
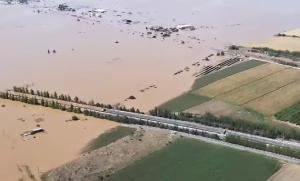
x: 270, y: 141
x: 178, y: 123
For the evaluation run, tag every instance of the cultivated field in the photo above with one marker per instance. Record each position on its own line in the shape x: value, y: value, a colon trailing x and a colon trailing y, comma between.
x: 293, y: 32
x: 190, y: 160
x: 191, y: 99
x: 249, y: 92
x: 216, y: 76
x: 279, y: 43
x: 108, y: 137
x: 220, y: 108
x: 291, y: 114
x: 288, y: 172
x: 184, y: 102
x: 239, y: 79
x: 277, y: 100
x: 213, y: 106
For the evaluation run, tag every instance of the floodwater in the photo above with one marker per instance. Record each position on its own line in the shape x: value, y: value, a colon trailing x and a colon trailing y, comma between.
x: 61, y: 142
x: 89, y: 63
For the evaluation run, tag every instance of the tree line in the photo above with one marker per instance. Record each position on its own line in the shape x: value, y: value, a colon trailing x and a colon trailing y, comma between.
x: 118, y: 118
x: 293, y: 55
x: 262, y: 146
x: 127, y: 120
x: 260, y: 128
x: 68, y: 98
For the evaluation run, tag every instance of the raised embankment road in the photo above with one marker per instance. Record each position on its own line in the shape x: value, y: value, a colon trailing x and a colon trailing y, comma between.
x: 178, y: 123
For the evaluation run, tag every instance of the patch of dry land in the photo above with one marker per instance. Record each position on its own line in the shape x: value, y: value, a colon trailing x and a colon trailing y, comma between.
x: 281, y: 42
x: 288, y: 172
x: 240, y: 79
x: 268, y: 88
x: 261, y: 87
x: 220, y: 108
x: 103, y: 162
x: 213, y: 106
x: 61, y: 143
x: 277, y: 100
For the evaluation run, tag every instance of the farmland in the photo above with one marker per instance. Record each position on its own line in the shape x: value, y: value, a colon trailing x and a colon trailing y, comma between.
x: 220, y: 108
x: 265, y: 89
x: 240, y: 79
x: 108, y: 137
x: 278, y: 100
x: 291, y: 114
x: 288, y: 172
x: 184, y: 102
x: 279, y: 43
x: 190, y: 99
x: 206, y: 80
x: 256, y: 89
x: 189, y: 160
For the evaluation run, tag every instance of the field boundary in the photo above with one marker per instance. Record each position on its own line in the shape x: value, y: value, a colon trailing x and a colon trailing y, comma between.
x: 273, y: 62
x: 270, y: 92
x: 253, y: 63
x: 246, y: 83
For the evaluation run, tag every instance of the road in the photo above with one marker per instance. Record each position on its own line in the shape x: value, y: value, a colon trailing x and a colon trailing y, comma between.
x: 178, y: 123
x: 222, y: 143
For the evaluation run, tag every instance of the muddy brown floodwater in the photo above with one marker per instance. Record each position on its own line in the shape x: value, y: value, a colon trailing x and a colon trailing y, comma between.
x: 89, y: 63
x: 61, y: 143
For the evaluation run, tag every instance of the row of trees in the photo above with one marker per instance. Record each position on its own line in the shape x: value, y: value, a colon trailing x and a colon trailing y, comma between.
x: 120, y: 119
x: 262, y: 146
x: 68, y: 98
x: 265, y: 129
x: 126, y: 120
x: 293, y: 55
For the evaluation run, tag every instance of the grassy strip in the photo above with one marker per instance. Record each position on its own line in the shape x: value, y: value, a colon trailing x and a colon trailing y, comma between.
x: 262, y: 146
x: 206, y: 80
x: 290, y: 114
x: 184, y: 102
x: 108, y: 138
x: 190, y: 160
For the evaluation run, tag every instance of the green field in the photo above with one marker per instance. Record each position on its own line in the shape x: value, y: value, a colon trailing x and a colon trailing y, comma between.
x: 184, y: 102
x: 290, y: 114
x: 192, y: 160
x: 108, y: 137
x: 211, y: 78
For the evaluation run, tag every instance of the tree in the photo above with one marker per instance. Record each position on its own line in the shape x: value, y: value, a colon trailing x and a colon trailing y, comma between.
x: 218, y: 54
x: 26, y: 90
x: 69, y: 98
x: 15, y: 89
x: 132, y: 109
x: 71, y: 108
x: 31, y: 92
x: 52, y: 105
x: 38, y: 93
x: 63, y: 108
x: 35, y: 101
x: 222, y: 53
x: 46, y: 104
x: 55, y: 95
x: 92, y: 102
x: 42, y: 102
x: 76, y: 99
